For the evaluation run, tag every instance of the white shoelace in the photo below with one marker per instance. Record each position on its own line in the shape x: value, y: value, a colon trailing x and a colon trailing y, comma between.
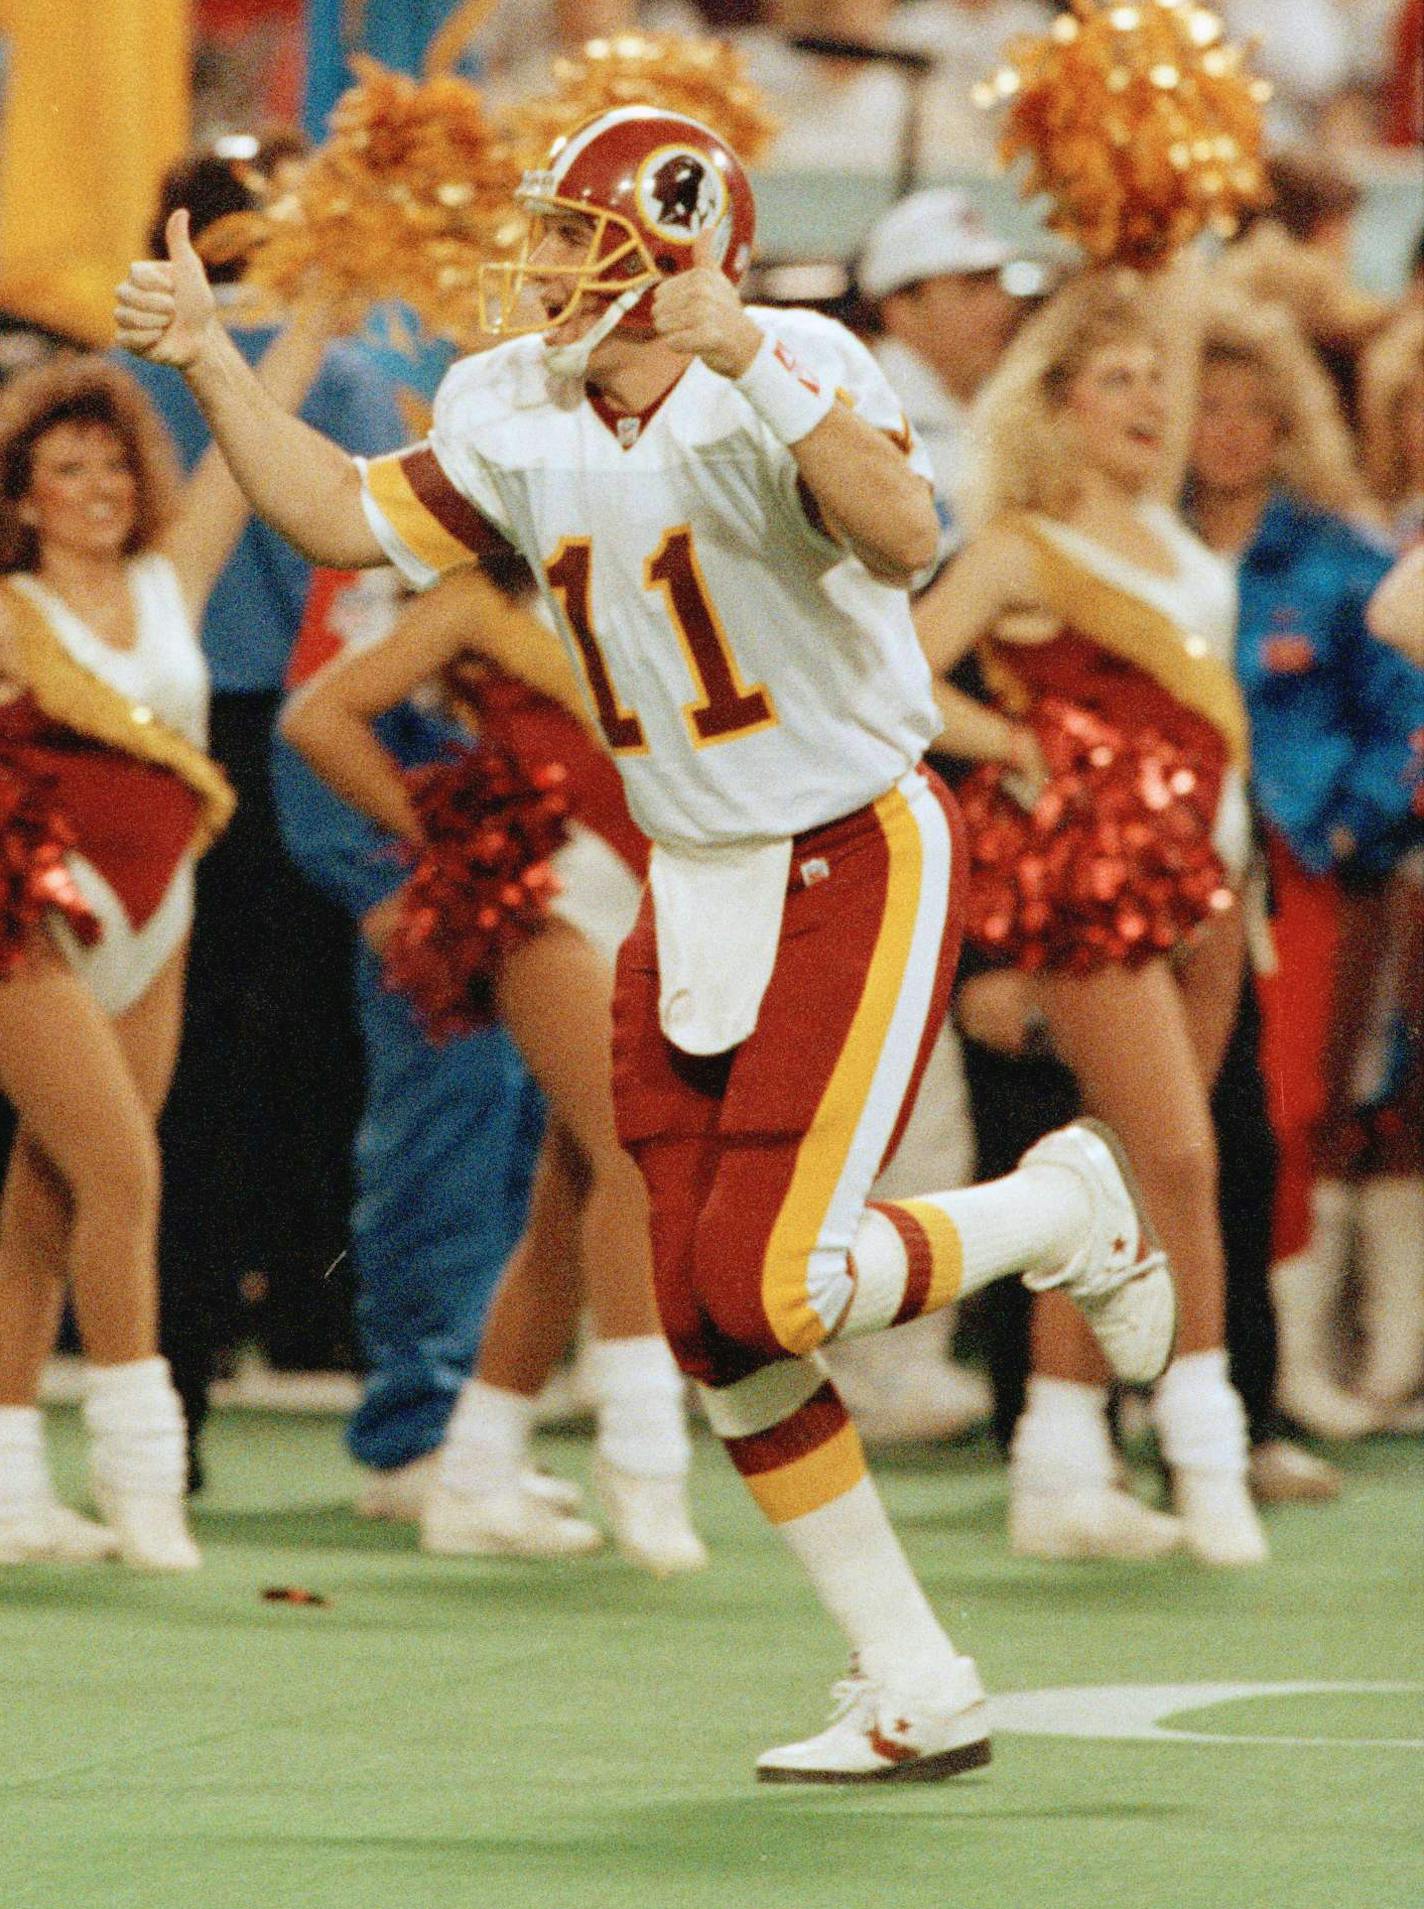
x: 1108, y: 1279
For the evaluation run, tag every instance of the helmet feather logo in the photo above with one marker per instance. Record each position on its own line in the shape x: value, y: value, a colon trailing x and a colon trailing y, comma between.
x: 680, y: 194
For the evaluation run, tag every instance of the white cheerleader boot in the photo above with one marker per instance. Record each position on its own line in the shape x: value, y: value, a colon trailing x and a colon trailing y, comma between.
x: 1201, y: 1429
x: 34, y: 1527
x: 643, y: 1454
x: 1064, y: 1500
x: 139, y: 1463
x: 507, y: 1523
x: 1391, y: 1253
x: 1305, y: 1291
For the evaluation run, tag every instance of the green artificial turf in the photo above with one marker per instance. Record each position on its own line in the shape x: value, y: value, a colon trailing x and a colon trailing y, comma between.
x: 456, y: 1732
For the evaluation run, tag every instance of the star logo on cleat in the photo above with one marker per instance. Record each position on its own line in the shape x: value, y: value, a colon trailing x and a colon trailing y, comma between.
x: 887, y: 1747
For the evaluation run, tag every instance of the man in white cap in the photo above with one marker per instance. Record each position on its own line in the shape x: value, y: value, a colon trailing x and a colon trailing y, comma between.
x: 945, y: 289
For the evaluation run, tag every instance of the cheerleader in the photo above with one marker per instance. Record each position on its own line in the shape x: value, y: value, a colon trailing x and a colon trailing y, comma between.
x: 108, y: 799
x: 1109, y: 827
x: 543, y: 966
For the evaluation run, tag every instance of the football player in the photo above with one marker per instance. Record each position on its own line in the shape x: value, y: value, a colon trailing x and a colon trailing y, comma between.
x: 723, y: 507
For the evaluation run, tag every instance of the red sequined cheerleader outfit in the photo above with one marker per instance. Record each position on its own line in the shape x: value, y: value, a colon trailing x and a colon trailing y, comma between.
x: 529, y: 822
x: 602, y: 865
x: 115, y: 739
x: 1143, y: 828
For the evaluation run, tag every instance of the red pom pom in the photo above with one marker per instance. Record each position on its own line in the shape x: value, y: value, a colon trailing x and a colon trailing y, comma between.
x: 481, y: 884
x: 34, y: 876
x: 1113, y: 864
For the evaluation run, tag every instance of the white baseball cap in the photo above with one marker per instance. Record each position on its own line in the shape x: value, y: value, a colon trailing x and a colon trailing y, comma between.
x: 935, y: 234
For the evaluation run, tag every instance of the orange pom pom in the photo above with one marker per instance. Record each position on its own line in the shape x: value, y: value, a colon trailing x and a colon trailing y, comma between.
x: 411, y: 191
x: 1138, y: 121
x: 703, y: 78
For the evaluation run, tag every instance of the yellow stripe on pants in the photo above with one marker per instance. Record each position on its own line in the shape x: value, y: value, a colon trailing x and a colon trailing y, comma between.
x: 826, y: 1146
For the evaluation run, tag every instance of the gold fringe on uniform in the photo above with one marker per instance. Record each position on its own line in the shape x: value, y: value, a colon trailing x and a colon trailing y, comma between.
x: 1131, y: 629
x: 69, y: 694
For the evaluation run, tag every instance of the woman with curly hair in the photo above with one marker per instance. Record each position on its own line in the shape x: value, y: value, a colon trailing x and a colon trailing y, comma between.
x: 1275, y: 489
x: 105, y: 567
x: 1109, y: 828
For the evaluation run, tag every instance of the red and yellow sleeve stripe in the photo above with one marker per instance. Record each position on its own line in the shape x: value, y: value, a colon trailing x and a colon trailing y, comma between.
x: 424, y: 509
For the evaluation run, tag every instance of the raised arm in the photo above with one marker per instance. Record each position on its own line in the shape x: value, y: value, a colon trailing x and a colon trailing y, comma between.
x: 305, y: 486
x: 1178, y: 295
x: 214, y: 509
x: 868, y: 495
x: 329, y: 719
x: 988, y: 585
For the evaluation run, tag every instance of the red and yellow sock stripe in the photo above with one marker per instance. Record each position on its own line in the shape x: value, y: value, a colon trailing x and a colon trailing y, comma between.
x: 808, y: 1460
x: 934, y: 1255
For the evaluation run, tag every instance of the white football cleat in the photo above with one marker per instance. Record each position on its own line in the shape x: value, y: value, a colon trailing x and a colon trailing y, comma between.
x: 650, y: 1520
x: 151, y: 1529
x: 1093, y: 1521
x: 50, y: 1533
x: 876, y: 1736
x: 1118, y: 1278
x: 503, y: 1524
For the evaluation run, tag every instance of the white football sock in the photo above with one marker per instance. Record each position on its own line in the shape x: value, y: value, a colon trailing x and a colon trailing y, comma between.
x: 640, y: 1398
x: 1061, y: 1442
x: 1033, y: 1215
x: 24, y: 1473
x: 486, y: 1444
x: 1011, y: 1225
x: 864, y: 1580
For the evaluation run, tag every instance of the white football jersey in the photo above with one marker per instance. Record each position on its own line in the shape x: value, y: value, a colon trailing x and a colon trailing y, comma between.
x: 751, y: 679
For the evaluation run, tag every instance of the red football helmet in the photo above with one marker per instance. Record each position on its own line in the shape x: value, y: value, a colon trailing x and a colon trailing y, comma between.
x: 649, y: 182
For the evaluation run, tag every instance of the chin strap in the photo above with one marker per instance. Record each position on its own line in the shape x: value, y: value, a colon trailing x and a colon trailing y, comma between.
x: 571, y: 360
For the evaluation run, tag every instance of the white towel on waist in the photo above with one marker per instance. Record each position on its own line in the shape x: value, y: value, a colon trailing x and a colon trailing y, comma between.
x: 717, y: 915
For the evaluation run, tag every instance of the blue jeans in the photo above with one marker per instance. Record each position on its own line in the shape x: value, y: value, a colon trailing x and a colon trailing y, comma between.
x: 444, y: 1158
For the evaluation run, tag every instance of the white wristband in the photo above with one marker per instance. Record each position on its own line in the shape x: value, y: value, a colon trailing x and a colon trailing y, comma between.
x: 788, y: 398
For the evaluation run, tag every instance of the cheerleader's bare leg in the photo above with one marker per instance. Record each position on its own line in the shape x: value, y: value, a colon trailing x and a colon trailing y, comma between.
x: 1144, y: 1044
x: 86, y: 1191
x: 485, y: 1498
x: 554, y: 995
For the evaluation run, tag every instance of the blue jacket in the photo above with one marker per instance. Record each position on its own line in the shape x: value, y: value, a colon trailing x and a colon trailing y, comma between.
x: 256, y: 607
x: 1332, y: 710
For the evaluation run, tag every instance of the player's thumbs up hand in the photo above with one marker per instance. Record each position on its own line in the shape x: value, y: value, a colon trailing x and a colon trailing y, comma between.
x: 697, y: 311
x: 165, y: 307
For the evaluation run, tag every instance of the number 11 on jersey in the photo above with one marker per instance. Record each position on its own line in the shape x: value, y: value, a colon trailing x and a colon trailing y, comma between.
x: 724, y: 707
